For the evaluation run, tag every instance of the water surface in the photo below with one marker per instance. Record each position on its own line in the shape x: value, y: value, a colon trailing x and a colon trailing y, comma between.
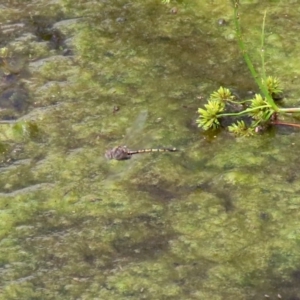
x: 217, y: 220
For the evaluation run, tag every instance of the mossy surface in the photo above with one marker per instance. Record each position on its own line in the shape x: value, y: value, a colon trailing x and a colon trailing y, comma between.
x: 217, y: 220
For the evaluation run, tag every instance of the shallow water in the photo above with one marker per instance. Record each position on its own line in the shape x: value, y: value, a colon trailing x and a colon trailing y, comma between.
x: 217, y: 220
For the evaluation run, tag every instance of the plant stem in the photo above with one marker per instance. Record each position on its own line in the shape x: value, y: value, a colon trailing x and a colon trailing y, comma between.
x: 285, y: 124
x: 244, y: 112
x: 289, y: 110
x: 262, y: 50
x: 238, y: 102
x: 262, y: 85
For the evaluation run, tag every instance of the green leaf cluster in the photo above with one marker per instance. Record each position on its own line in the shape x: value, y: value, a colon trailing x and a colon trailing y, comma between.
x: 273, y: 86
x: 260, y: 109
x: 240, y: 129
x: 222, y: 95
x: 220, y: 105
x: 208, y: 118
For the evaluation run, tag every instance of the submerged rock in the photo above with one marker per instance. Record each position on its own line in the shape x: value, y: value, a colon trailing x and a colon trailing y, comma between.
x: 15, y: 99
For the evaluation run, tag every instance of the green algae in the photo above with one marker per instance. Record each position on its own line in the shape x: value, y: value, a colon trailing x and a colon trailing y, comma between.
x: 217, y: 220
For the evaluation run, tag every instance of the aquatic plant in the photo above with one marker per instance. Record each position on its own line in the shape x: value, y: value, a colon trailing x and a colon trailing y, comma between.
x: 253, y: 115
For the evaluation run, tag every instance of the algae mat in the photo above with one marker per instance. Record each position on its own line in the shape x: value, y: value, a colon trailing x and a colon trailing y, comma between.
x: 217, y: 220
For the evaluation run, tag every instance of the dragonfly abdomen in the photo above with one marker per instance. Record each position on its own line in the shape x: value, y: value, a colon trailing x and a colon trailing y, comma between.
x: 131, y: 152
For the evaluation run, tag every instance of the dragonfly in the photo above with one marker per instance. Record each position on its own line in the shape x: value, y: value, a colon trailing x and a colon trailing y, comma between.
x: 122, y: 152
